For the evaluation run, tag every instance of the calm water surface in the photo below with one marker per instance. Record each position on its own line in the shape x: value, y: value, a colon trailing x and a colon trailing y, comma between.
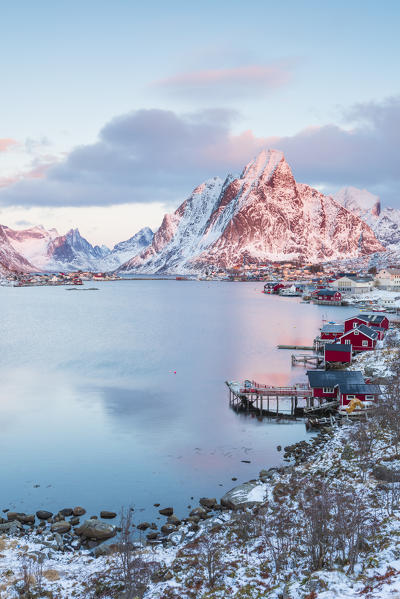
x: 92, y: 411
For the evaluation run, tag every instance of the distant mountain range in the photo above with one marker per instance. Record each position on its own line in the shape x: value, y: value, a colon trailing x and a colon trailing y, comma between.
x: 259, y: 216
x: 37, y: 249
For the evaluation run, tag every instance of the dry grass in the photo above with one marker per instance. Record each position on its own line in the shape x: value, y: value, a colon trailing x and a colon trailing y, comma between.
x: 51, y: 575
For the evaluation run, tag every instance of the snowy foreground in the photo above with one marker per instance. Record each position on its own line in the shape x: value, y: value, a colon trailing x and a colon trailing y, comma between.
x: 327, y: 525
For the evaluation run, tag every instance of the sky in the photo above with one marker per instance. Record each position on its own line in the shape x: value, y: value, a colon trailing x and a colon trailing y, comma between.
x: 113, y: 111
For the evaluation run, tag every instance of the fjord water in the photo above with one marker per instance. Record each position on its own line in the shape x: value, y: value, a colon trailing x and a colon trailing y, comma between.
x: 116, y: 397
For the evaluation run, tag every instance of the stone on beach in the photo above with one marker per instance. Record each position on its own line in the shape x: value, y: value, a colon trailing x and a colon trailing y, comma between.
x: 166, y: 511
x: 61, y: 527
x: 96, y: 529
x: 107, y: 515
x: 44, y: 514
x: 247, y: 494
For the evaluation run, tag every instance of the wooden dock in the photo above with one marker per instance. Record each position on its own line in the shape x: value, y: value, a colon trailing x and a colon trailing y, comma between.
x: 308, y: 360
x: 266, y: 400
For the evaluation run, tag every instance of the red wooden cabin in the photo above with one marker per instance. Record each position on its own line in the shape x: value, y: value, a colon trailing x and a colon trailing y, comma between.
x: 332, y: 330
x: 337, y: 353
x: 362, y: 338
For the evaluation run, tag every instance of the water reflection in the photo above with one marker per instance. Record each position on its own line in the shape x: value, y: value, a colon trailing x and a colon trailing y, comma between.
x: 91, y: 408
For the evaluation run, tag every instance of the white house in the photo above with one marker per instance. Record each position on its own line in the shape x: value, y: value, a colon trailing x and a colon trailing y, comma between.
x: 388, y: 278
x: 353, y: 285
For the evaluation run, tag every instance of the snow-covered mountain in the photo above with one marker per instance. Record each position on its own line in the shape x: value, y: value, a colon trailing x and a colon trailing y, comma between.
x: 36, y: 249
x: 125, y: 250
x: 361, y: 202
x: 261, y: 215
x: 10, y: 258
x: 385, y: 223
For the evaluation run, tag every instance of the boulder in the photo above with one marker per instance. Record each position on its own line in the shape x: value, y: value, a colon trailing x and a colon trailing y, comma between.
x: 61, y: 527
x: 166, y: 529
x: 209, y: 502
x: 143, y: 526
x: 107, y: 515
x: 67, y: 511
x: 199, y: 512
x: 78, y: 511
x: 10, y: 528
x: 44, y: 514
x: 96, y: 529
x: 166, y: 511
x: 173, y: 520
x: 248, y: 494
x: 21, y: 517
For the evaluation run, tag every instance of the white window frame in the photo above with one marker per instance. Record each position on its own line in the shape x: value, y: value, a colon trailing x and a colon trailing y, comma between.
x: 328, y: 389
x: 350, y: 397
x: 369, y: 398
x: 365, y: 343
x: 356, y: 332
x: 347, y: 341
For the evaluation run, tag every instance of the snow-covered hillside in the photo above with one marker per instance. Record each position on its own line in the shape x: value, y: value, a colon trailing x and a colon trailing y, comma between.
x: 261, y: 215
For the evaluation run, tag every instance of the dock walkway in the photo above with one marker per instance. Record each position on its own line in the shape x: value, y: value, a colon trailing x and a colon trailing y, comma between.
x: 265, y: 399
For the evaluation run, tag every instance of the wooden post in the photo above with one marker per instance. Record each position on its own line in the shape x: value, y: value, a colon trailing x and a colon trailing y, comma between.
x: 277, y: 404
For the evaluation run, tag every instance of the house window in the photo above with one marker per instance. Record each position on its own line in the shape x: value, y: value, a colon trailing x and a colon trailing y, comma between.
x: 365, y: 343
x: 369, y: 398
x: 356, y: 332
x: 350, y: 397
x: 348, y: 341
x: 355, y: 325
x: 328, y: 390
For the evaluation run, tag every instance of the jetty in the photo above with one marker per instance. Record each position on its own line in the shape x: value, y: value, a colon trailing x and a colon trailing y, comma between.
x: 308, y: 360
x: 270, y: 401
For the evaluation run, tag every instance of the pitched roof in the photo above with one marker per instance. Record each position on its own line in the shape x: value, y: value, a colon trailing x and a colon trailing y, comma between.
x: 353, y: 388
x: 372, y: 317
x: 365, y: 330
x: 332, y: 378
x: 343, y: 347
x: 332, y: 328
x: 326, y: 291
x: 362, y: 317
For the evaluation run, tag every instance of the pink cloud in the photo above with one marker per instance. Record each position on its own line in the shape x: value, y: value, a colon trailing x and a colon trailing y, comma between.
x: 235, y: 81
x: 5, y: 143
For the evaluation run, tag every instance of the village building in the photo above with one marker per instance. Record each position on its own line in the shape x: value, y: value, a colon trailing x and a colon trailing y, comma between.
x: 347, y: 387
x: 332, y: 331
x: 324, y: 383
x: 327, y: 296
x: 353, y: 285
x: 337, y: 353
x: 362, y: 338
x: 388, y: 278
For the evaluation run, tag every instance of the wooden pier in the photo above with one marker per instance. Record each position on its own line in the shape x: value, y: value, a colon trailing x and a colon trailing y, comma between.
x: 308, y: 360
x: 266, y: 400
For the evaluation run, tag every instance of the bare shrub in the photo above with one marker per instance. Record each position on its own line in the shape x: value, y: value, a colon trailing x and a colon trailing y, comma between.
x: 210, y: 558
x: 277, y: 535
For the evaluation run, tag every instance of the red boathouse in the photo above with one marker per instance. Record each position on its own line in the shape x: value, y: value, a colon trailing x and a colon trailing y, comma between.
x: 337, y: 353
